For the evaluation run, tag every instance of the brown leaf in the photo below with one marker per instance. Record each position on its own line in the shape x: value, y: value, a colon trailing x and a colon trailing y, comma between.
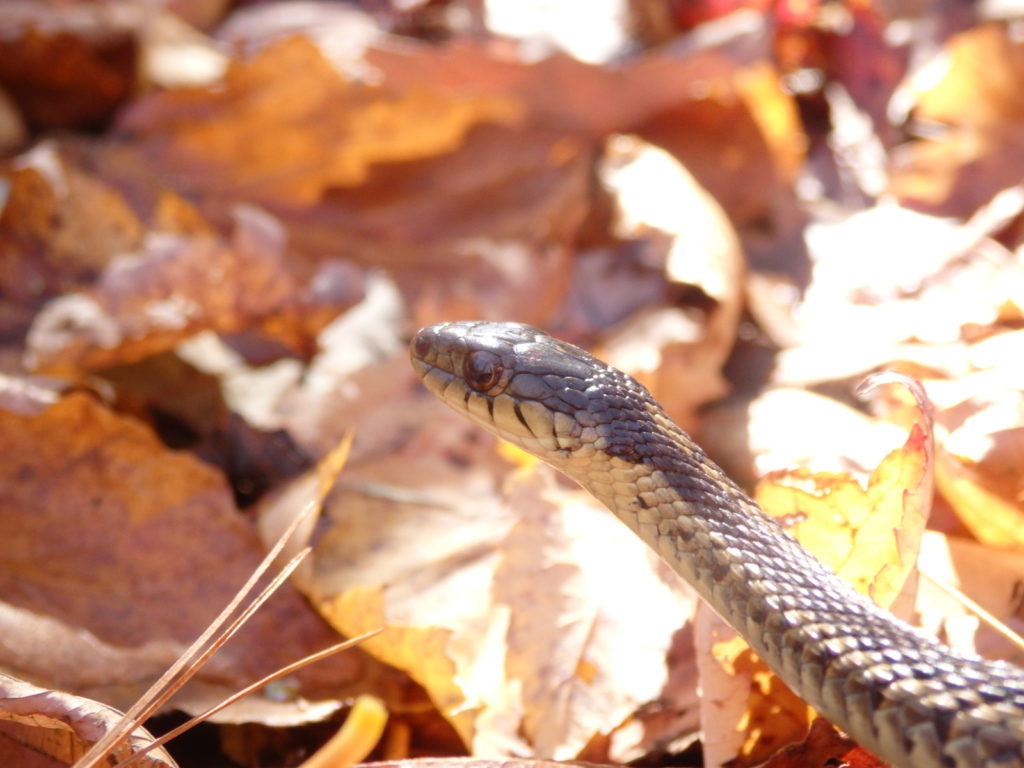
x: 45, y: 729
x: 187, y: 408
x: 716, y: 106
x: 823, y: 746
x: 308, y: 491
x: 567, y: 94
x: 468, y: 618
x: 608, y: 656
x: 473, y: 762
x: 146, y: 303
x: 68, y: 66
x: 118, y: 552
x: 260, y: 137
x: 472, y: 208
x: 744, y: 124
x: 59, y: 227
x: 483, y: 231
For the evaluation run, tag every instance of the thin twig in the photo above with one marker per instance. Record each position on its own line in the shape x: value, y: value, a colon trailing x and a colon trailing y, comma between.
x: 152, y: 699
x: 286, y: 670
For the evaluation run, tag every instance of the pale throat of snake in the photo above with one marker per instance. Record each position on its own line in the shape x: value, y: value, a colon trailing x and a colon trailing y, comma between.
x: 904, y: 695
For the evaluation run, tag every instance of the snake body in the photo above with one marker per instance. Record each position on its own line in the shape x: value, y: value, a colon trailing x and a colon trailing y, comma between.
x: 913, y: 701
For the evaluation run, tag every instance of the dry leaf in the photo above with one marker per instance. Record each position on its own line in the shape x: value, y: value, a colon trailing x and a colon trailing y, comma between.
x: 277, y: 510
x: 974, y: 111
x: 744, y: 125
x: 282, y: 224
x: 870, y: 537
x: 676, y: 352
x: 889, y: 284
x: 68, y: 67
x: 119, y: 551
x: 709, y: 99
x: 483, y: 231
x: 469, y: 620
x: 47, y: 729
x: 561, y: 92
x: 59, y: 226
x: 260, y: 137
x: 993, y: 517
x: 823, y: 746
x: 978, y: 469
x: 747, y: 713
x: 991, y: 579
x: 146, y: 302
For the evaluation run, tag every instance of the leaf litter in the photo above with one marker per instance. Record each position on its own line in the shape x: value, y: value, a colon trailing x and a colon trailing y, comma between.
x: 208, y: 271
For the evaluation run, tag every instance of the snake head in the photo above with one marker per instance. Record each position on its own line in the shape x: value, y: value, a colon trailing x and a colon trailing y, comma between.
x: 518, y: 382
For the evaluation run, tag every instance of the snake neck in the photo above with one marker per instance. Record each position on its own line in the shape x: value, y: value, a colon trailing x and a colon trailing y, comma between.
x: 848, y: 658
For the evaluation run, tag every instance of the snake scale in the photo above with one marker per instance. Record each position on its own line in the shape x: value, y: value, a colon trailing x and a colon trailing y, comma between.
x: 913, y: 701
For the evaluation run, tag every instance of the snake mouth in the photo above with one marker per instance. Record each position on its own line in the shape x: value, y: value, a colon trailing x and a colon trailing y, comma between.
x: 433, y: 378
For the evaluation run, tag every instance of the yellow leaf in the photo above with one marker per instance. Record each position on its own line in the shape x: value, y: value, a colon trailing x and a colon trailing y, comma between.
x: 870, y: 537
x: 993, y: 518
x: 421, y: 652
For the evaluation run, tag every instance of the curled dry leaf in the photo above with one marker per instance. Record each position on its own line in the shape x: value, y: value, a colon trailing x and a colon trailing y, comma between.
x: 40, y: 728
x: 118, y: 552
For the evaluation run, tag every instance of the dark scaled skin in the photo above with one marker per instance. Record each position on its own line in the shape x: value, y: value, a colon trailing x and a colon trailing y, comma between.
x: 907, y: 697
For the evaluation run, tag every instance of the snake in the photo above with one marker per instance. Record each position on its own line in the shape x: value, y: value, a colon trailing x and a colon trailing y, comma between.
x: 893, y: 689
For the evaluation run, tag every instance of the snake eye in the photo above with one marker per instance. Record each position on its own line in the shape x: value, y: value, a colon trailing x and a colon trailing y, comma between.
x: 421, y: 347
x: 481, y: 370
